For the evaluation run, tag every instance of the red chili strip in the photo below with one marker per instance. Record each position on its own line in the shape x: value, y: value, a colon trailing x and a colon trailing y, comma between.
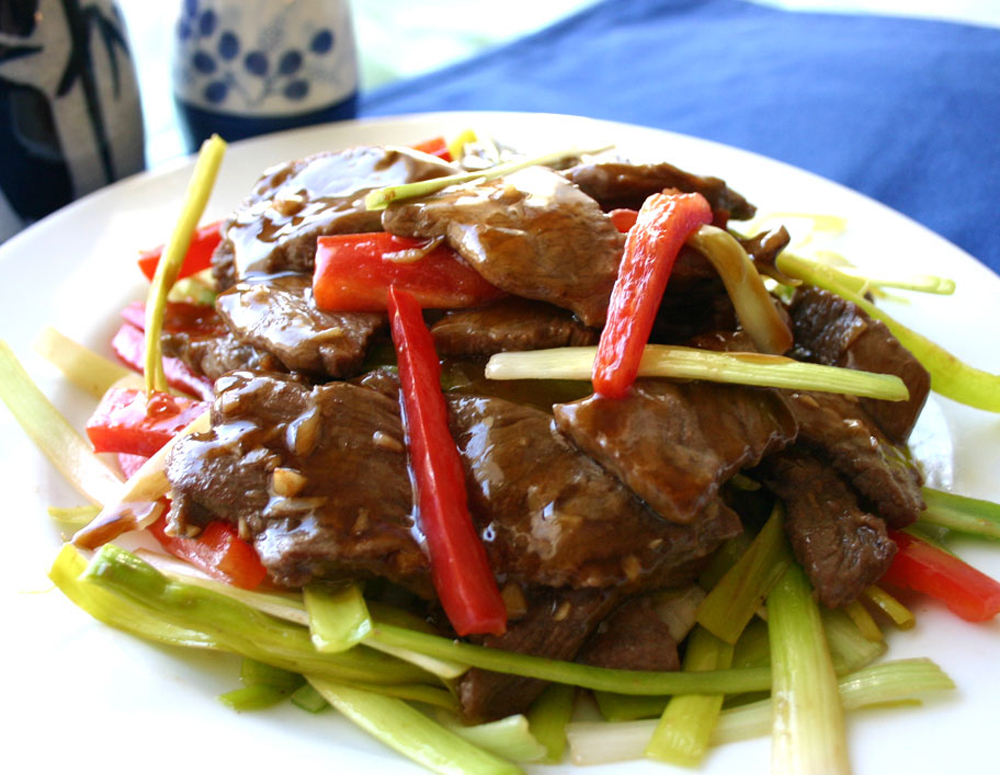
x: 353, y: 274
x: 966, y: 591
x: 460, y: 568
x: 130, y: 421
x: 218, y: 551
x: 197, y: 258
x: 651, y: 247
x: 129, y: 345
x: 435, y: 146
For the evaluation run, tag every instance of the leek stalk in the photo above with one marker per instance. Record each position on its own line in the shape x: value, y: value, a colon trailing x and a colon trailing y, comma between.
x: 690, y: 363
x: 338, y: 616
x: 733, y: 602
x: 410, y: 732
x: 236, y: 627
x: 81, y: 366
x: 548, y: 717
x: 202, y: 180
x: 53, y: 434
x: 807, y: 736
x: 889, y: 682
x: 950, y: 376
x: 642, y: 682
x: 509, y: 737
x: 958, y: 512
x: 755, y: 307
x: 683, y: 732
x: 863, y: 620
x: 381, y: 198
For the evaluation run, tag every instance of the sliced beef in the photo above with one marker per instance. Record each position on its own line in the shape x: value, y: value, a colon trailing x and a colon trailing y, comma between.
x: 316, y: 477
x: 633, y: 638
x: 836, y: 332
x: 692, y: 307
x: 214, y: 354
x: 530, y: 233
x: 843, y: 548
x: 674, y: 444
x: 550, y: 515
x: 618, y: 184
x: 276, y: 227
x: 278, y: 315
x: 510, y: 324
x: 556, y: 625
x: 839, y: 430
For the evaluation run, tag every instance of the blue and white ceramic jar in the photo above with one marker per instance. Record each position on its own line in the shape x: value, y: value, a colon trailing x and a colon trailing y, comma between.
x: 247, y: 67
x: 70, y: 118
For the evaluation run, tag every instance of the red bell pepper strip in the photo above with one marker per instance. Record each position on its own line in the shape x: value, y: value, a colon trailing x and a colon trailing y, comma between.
x: 460, y: 568
x: 129, y: 345
x: 966, y: 591
x: 179, y: 316
x: 218, y: 551
x: 130, y: 421
x: 353, y: 275
x: 129, y: 464
x: 435, y: 146
x: 651, y: 247
x: 198, y: 257
x: 623, y: 218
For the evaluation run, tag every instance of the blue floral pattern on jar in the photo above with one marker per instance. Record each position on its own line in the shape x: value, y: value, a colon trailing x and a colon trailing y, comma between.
x: 257, y: 57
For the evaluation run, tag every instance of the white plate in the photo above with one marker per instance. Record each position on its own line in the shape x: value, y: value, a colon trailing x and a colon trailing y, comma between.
x: 90, y: 699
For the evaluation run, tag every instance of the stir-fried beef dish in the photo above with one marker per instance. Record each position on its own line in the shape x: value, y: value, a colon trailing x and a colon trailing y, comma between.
x: 585, y: 505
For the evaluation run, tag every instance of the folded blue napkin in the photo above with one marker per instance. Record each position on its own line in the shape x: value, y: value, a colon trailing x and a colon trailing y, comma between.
x: 904, y: 110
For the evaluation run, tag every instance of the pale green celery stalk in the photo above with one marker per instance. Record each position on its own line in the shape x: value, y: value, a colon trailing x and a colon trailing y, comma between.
x: 256, y: 697
x: 81, y: 366
x: 863, y: 620
x: 291, y: 607
x: 690, y: 363
x: 724, y: 558
x: 684, y: 729
x: 237, y: 627
x: 958, y: 512
x: 137, y: 502
x: 755, y: 307
x: 627, y: 707
x: 74, y: 517
x: 807, y: 734
x: 434, y: 696
x: 380, y: 198
x: 889, y: 682
x: 548, y: 717
x: 53, y: 434
x: 950, y: 376
x: 900, y: 615
x: 307, y: 698
x: 641, y: 682
x: 338, y: 616
x: 117, y: 611
x: 895, y: 681
x: 256, y: 673
x: 202, y: 179
x: 733, y: 602
x: 410, y: 732
x: 753, y: 649
x: 850, y: 649
x: 509, y: 737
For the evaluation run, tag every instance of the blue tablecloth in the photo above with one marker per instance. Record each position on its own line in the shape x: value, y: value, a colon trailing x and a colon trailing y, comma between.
x: 903, y: 110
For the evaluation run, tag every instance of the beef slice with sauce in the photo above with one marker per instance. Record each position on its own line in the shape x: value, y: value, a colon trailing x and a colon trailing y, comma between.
x: 674, y: 444
x: 509, y: 325
x: 550, y: 515
x: 276, y: 227
x: 278, y: 315
x: 838, y: 430
x: 620, y: 184
x: 530, y: 233
x: 836, y: 332
x: 315, y: 476
x: 843, y: 547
